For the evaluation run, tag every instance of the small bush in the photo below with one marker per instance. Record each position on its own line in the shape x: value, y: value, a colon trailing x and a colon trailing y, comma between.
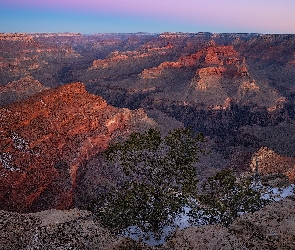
x: 223, y: 199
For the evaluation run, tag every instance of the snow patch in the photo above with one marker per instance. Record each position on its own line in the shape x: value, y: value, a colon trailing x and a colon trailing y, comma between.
x: 274, y: 193
x: 6, y: 160
x: 19, y: 142
x: 183, y: 220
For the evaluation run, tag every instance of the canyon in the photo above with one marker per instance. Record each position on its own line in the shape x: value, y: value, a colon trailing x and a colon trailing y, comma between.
x: 65, y: 97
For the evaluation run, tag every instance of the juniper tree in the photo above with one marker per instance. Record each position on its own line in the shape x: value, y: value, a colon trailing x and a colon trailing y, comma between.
x: 160, y: 179
x: 223, y: 198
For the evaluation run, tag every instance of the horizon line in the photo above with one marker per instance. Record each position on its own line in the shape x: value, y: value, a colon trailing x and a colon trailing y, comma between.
x: 147, y: 33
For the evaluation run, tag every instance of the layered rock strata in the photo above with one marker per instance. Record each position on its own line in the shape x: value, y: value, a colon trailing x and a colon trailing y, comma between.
x: 46, y: 138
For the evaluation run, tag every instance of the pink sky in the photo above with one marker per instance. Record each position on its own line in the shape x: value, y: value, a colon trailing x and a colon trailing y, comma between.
x: 265, y: 16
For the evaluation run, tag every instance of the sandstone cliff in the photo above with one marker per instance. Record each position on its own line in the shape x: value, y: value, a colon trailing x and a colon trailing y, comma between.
x: 270, y: 162
x: 47, y: 137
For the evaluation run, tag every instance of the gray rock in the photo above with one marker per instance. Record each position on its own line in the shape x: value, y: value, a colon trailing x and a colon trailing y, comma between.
x: 53, y: 229
x: 272, y: 227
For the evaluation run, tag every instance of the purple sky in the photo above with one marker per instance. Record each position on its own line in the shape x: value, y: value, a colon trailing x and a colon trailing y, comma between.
x: 94, y: 16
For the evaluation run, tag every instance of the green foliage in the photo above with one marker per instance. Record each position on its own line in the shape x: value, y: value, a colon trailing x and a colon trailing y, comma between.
x: 223, y: 198
x: 160, y: 179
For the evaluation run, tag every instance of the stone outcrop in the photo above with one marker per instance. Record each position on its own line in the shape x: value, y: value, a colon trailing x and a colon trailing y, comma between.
x: 54, y: 229
x: 47, y: 137
x: 270, y: 162
x: 57, y: 229
x: 117, y: 57
x: 19, y: 90
x: 272, y: 227
x: 220, y: 73
x: 211, y: 56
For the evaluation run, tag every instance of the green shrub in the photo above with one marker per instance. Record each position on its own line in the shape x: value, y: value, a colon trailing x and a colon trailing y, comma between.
x: 160, y: 178
x: 223, y: 199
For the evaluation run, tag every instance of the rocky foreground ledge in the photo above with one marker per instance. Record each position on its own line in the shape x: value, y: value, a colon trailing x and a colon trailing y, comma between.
x: 53, y: 229
x: 273, y: 227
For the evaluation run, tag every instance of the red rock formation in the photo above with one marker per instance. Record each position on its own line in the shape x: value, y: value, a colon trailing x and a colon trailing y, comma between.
x: 223, y: 60
x: 213, y: 60
x: 18, y: 90
x: 116, y: 57
x: 44, y: 140
x: 270, y: 162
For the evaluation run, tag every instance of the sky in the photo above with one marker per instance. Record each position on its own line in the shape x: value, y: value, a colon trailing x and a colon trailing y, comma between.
x: 154, y: 16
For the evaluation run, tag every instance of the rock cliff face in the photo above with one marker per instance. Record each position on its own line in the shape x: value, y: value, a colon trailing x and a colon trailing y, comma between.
x: 220, y: 73
x: 19, y: 90
x: 118, y: 57
x: 46, y: 138
x: 270, y: 162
